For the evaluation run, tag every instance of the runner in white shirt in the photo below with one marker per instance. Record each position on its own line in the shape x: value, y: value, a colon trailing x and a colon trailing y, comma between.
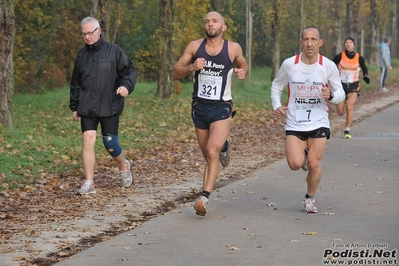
x: 312, y: 80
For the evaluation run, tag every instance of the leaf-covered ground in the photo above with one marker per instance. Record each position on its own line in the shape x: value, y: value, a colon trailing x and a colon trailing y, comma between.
x: 44, y: 223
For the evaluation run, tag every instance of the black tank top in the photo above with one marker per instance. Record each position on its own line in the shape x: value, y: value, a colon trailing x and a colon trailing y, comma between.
x: 213, y: 83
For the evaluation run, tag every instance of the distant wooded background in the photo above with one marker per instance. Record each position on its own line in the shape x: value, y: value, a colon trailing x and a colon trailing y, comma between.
x: 47, y: 31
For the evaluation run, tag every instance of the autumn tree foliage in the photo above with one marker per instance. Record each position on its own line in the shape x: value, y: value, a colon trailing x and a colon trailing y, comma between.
x: 47, y: 31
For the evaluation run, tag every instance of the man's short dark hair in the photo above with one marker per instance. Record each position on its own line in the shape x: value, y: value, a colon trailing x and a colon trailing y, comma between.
x: 311, y: 27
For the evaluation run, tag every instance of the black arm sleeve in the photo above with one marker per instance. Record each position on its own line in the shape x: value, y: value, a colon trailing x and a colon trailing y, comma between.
x: 74, y: 87
x: 337, y: 59
x: 363, y: 66
x: 127, y: 70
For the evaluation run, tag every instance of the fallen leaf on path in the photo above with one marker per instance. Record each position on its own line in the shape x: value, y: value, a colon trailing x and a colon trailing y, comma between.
x: 310, y: 233
x: 232, y: 247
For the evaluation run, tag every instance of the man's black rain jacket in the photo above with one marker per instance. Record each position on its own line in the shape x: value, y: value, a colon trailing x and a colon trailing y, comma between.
x: 100, y: 69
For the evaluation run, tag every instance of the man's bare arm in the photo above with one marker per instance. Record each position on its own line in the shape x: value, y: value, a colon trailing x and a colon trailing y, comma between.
x: 241, y: 70
x: 183, y: 67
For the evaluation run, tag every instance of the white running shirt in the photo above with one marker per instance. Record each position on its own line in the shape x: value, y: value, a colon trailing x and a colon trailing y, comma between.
x: 307, y: 109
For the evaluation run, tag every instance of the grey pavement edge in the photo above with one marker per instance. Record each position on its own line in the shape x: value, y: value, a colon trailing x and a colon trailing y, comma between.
x: 259, y: 220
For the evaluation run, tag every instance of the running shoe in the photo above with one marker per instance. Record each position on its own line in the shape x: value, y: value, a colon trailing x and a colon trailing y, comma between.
x: 308, y: 205
x: 200, y: 206
x: 384, y: 89
x: 347, y: 134
x: 305, y: 164
x: 87, y: 188
x: 224, y: 157
x: 127, y: 177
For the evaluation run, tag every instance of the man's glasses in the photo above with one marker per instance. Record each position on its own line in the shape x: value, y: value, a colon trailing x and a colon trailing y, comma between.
x: 90, y: 33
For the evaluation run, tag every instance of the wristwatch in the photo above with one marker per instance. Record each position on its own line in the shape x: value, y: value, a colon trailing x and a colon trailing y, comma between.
x: 331, y: 96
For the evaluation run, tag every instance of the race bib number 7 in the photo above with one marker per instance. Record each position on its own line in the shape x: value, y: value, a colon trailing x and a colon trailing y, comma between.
x: 307, y: 114
x: 209, y: 87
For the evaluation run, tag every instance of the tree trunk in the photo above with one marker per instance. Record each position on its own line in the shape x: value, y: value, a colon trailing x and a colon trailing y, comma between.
x: 276, y: 39
x: 165, y: 49
x: 7, y: 32
x: 338, y: 21
x: 301, y: 26
x: 394, y: 27
x: 374, y: 34
x: 350, y: 25
x: 248, y: 48
x: 99, y: 11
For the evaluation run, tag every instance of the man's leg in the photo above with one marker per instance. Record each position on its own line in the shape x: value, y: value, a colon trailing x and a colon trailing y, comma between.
x: 316, y: 151
x: 340, y: 108
x: 211, y: 142
x: 88, y: 154
x: 109, y: 129
x: 350, y: 104
x: 121, y: 160
x: 89, y: 160
x: 294, y: 151
x: 382, y: 80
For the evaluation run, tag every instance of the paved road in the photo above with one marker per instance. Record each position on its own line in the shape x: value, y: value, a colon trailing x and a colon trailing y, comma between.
x: 259, y: 220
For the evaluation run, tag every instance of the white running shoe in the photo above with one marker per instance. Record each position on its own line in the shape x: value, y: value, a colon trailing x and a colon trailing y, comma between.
x: 127, y: 177
x: 308, y: 205
x: 200, y: 206
x: 224, y: 157
x: 87, y: 188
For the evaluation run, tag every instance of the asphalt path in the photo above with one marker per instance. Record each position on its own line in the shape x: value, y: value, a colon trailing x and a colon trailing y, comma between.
x: 259, y: 220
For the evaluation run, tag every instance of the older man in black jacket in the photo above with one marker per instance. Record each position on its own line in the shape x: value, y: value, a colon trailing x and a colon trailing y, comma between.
x: 103, y: 75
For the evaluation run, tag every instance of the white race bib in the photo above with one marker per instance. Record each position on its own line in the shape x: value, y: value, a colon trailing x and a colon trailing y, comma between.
x: 308, y: 111
x: 209, y: 87
x: 347, y: 76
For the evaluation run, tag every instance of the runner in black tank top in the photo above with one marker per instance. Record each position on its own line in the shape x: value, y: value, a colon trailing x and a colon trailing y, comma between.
x: 212, y: 61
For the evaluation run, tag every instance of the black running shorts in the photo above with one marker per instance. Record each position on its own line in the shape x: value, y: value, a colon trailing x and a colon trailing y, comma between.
x: 109, y: 125
x: 322, y: 132
x: 203, y: 114
x: 351, y: 87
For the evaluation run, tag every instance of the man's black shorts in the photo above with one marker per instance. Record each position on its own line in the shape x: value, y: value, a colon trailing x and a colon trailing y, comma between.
x: 204, y: 114
x: 351, y: 87
x: 322, y: 132
x: 109, y: 125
